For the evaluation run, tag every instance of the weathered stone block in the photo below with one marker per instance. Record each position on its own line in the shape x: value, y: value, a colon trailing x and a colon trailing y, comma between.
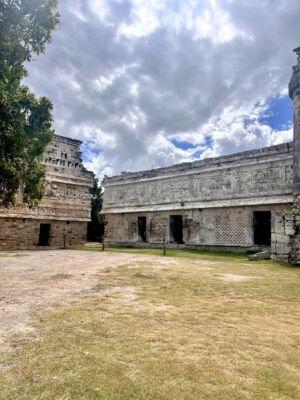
x: 280, y: 248
x: 281, y: 238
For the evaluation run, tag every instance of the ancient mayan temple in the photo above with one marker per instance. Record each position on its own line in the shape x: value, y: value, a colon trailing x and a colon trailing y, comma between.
x: 61, y: 219
x: 238, y: 202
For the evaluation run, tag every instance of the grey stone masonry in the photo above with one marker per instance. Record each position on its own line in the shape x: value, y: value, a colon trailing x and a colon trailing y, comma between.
x: 215, y: 198
x: 294, y: 92
x: 66, y: 206
x: 216, y: 228
x: 67, y: 195
x: 254, y: 177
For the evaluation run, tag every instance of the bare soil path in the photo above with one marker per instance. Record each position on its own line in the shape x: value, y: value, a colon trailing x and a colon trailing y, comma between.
x: 35, y: 280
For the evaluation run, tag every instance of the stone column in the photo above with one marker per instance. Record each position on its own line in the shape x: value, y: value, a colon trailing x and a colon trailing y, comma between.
x: 292, y: 223
x: 294, y: 92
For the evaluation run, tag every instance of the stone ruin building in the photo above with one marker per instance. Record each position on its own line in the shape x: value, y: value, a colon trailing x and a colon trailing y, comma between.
x: 61, y: 218
x: 237, y: 202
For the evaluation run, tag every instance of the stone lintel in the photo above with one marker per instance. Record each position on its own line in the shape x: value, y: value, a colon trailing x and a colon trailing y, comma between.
x: 257, y: 201
x: 81, y: 182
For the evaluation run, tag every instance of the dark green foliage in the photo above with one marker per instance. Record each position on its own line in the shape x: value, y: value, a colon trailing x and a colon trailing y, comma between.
x: 96, y: 226
x: 25, y: 121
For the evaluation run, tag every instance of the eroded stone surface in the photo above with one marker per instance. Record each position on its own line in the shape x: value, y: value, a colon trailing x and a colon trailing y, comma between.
x: 66, y: 205
x: 216, y: 198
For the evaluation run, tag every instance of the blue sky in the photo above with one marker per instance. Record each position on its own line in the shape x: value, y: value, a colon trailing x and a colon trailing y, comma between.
x: 279, y: 114
x: 146, y: 84
x: 196, y: 152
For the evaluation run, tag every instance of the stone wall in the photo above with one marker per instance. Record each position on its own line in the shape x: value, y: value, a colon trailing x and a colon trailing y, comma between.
x: 66, y: 204
x: 230, y: 227
x: 261, y: 176
x: 216, y: 198
x: 17, y: 233
x: 281, y: 236
x: 67, y: 195
x: 286, y: 234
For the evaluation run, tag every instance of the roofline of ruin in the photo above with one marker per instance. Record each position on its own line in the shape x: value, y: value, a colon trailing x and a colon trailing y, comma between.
x: 67, y: 139
x: 249, y: 154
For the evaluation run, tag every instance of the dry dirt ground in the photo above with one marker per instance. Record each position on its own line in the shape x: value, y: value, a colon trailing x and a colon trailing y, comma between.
x: 94, y: 325
x: 35, y: 280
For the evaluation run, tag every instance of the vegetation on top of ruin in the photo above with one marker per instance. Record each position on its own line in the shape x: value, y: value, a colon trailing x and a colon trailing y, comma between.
x: 25, y: 121
x: 291, y: 211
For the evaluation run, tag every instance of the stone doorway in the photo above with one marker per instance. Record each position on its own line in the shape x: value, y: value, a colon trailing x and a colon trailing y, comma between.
x: 142, y: 224
x: 44, y: 238
x: 262, y: 228
x: 176, y: 229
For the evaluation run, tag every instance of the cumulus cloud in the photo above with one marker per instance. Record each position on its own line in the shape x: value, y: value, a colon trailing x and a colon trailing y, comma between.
x: 134, y: 79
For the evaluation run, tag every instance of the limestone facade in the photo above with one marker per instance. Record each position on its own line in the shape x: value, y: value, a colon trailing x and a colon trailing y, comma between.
x: 61, y: 218
x: 238, y: 202
x: 216, y: 198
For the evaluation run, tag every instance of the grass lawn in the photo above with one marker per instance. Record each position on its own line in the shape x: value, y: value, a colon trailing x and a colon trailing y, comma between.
x: 194, y: 326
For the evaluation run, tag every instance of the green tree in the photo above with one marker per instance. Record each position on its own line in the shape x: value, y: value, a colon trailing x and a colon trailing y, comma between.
x: 25, y: 121
x: 96, y: 226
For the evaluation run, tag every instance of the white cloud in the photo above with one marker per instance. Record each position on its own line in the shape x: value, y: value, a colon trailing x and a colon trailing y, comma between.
x: 128, y: 76
x: 216, y: 25
x: 98, y: 7
x: 106, y: 80
x: 134, y: 118
x: 241, y: 129
x: 144, y: 19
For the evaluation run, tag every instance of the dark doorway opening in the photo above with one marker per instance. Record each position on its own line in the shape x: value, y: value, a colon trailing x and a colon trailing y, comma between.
x: 262, y: 227
x: 176, y: 229
x: 142, y: 224
x: 44, y: 238
x: 95, y: 231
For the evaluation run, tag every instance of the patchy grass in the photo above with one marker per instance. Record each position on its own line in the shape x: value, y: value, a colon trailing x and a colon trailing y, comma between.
x: 168, y: 328
x: 195, y: 254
